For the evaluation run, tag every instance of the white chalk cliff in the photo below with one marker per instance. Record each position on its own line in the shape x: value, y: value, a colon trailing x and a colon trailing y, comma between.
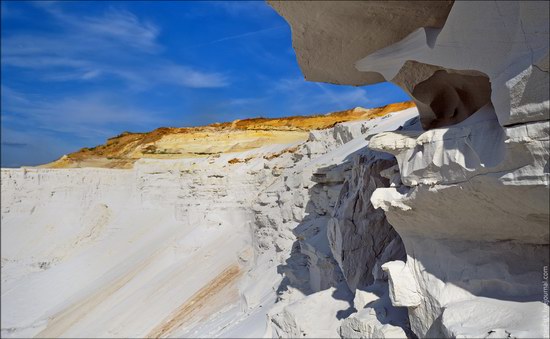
x: 429, y: 222
x: 184, y: 247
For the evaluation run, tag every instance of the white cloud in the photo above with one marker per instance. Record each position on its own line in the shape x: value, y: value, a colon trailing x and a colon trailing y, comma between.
x: 38, y: 129
x: 119, y: 25
x: 304, y: 97
x: 124, y: 27
x: 90, y: 116
x: 255, y: 9
x: 240, y: 36
x: 117, y: 44
x: 91, y: 74
x: 186, y: 76
x: 351, y: 96
x: 32, y: 61
x: 291, y: 84
x: 243, y: 101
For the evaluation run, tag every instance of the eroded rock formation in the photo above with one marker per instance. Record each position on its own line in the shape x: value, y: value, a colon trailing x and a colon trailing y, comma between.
x: 231, y: 244
x: 444, y: 97
x: 359, y: 234
x: 330, y: 36
x: 470, y: 196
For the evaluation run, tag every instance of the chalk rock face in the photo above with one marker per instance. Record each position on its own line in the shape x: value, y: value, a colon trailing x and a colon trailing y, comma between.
x: 329, y: 36
x: 80, y: 243
x: 299, y: 321
x: 310, y: 200
x: 506, y: 42
x: 499, y: 221
x: 224, y: 245
x: 358, y: 232
x: 376, y: 318
x: 469, y: 197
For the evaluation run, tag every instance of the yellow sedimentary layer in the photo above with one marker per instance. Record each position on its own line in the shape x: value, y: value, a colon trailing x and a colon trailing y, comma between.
x: 240, y: 135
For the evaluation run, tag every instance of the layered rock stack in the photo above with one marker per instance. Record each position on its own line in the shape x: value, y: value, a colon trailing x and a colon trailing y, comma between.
x: 470, y: 200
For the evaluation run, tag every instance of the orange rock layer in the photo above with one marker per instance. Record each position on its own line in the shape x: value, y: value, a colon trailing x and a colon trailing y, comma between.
x: 240, y: 135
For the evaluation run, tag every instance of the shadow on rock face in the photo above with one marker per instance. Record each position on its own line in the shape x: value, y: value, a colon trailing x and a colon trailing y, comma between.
x: 312, y: 266
x: 445, y: 98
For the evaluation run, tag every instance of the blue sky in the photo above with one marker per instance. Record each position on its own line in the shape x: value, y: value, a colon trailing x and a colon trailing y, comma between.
x: 76, y: 73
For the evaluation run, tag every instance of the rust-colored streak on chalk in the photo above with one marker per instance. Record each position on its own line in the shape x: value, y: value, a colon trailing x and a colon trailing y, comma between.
x: 64, y: 320
x: 196, y: 302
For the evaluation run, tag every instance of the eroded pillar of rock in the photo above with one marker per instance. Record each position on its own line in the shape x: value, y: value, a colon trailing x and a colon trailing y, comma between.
x: 358, y: 232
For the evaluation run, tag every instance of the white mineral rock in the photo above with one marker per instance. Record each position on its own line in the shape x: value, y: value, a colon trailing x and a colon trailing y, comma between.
x: 188, y: 247
x: 470, y: 201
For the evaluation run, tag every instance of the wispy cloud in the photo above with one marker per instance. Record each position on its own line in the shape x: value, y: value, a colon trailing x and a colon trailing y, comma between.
x: 74, y: 74
x: 256, y: 9
x: 38, y: 129
x: 240, y: 36
x: 117, y: 25
x: 309, y: 97
x: 91, y: 116
x: 243, y: 101
x: 351, y: 96
x: 30, y: 60
x: 187, y: 76
x: 116, y: 44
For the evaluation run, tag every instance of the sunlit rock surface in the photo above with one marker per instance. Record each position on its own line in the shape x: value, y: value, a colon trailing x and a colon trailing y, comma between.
x: 469, y: 195
x: 123, y: 150
x: 216, y: 245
